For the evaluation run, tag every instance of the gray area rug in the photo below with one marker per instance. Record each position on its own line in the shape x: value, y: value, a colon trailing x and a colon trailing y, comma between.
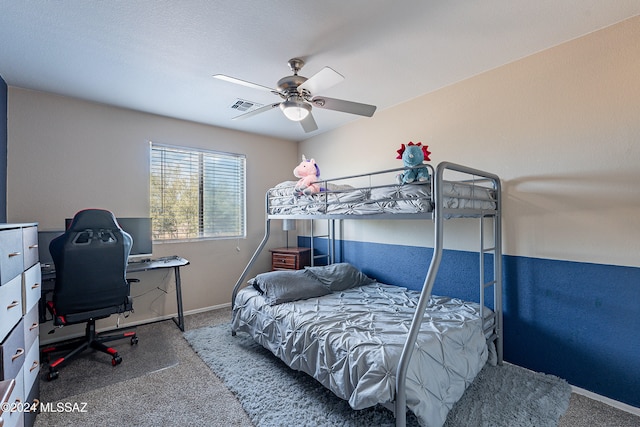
x: 272, y: 394
x: 152, y: 353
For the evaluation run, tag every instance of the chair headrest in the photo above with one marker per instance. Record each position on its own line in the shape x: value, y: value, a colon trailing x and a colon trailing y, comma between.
x: 93, y: 218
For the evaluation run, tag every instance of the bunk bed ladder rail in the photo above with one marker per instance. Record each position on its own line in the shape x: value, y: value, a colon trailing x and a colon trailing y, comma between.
x: 495, y: 327
x: 331, y: 242
x: 438, y: 217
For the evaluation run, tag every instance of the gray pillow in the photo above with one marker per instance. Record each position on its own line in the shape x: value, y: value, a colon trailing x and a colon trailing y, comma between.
x: 339, y: 277
x: 288, y: 285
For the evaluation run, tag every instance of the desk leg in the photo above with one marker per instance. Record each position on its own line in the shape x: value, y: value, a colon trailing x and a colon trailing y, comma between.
x: 180, y: 319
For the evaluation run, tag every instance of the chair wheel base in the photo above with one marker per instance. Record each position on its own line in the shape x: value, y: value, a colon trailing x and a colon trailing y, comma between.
x: 134, y: 340
x: 116, y: 360
x: 52, y: 375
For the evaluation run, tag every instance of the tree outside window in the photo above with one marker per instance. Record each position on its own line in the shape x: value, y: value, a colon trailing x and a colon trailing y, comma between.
x: 197, y: 194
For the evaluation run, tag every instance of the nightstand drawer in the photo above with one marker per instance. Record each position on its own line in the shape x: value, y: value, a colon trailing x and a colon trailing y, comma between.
x: 287, y: 261
x: 290, y: 258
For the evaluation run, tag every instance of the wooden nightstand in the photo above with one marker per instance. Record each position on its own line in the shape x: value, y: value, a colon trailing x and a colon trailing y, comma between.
x: 290, y: 258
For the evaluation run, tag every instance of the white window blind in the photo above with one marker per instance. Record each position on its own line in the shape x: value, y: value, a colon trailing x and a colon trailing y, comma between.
x: 197, y: 193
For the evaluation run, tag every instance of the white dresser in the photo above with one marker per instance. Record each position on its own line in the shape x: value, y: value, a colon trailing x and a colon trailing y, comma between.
x: 19, y: 295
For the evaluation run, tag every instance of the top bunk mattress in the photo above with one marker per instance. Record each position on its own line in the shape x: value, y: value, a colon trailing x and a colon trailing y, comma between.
x: 414, y: 198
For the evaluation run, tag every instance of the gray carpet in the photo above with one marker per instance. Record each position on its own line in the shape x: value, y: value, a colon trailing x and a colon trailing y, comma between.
x: 159, y: 354
x: 274, y: 395
x: 184, y: 394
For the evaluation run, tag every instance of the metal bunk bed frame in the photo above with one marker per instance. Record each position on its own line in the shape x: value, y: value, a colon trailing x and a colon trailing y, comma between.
x: 438, y: 215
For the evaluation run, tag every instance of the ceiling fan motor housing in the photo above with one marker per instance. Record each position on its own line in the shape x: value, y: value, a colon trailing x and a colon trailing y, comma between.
x: 289, y: 85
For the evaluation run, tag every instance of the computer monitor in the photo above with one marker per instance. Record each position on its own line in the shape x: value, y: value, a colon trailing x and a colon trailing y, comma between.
x: 44, y: 238
x: 140, y: 230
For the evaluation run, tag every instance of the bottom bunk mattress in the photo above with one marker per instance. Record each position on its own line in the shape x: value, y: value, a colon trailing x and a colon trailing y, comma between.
x: 351, y: 341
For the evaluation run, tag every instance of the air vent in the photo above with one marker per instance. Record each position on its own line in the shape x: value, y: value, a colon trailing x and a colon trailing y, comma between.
x: 243, y: 105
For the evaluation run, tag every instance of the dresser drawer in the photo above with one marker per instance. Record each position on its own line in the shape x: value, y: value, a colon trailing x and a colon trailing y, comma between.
x: 33, y: 396
x: 31, y: 288
x: 10, y: 305
x: 31, y: 368
x: 29, y: 246
x: 12, y: 353
x: 6, y: 388
x: 15, y: 418
x: 31, y: 327
x: 11, y: 258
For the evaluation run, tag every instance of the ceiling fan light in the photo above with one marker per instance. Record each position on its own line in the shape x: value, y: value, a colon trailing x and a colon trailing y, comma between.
x: 295, y: 110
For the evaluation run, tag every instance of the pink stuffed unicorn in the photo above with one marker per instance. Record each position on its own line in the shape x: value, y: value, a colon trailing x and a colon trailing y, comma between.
x: 308, y: 172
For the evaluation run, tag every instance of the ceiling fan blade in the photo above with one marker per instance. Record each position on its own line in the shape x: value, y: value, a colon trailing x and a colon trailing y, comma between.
x: 256, y: 111
x: 322, y: 80
x: 309, y: 123
x: 244, y: 83
x: 344, y: 106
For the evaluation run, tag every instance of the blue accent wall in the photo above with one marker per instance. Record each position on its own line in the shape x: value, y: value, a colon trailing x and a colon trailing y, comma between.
x: 579, y: 321
x: 3, y: 150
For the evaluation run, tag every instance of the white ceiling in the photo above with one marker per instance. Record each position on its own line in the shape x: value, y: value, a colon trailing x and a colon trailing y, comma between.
x: 159, y: 56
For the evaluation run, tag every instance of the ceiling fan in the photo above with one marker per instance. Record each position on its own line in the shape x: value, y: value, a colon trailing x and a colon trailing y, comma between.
x: 299, y: 96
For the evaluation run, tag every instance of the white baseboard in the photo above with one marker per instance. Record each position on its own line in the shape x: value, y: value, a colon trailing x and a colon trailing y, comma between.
x: 614, y: 403
x: 171, y: 316
x: 607, y: 401
x: 210, y: 308
x: 48, y: 339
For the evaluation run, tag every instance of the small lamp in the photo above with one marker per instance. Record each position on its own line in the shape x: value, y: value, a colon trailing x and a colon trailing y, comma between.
x: 288, y: 225
x: 294, y: 108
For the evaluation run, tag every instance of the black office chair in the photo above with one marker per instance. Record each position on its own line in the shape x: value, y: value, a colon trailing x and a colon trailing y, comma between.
x: 90, y: 261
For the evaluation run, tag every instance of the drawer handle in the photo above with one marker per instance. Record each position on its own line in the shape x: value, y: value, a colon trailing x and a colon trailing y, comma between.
x: 12, y: 254
x: 33, y: 326
x: 33, y: 246
x: 13, y: 304
x: 35, y: 286
x: 19, y: 352
x: 34, y: 365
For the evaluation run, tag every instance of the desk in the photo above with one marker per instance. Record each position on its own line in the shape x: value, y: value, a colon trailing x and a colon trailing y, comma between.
x: 175, y: 262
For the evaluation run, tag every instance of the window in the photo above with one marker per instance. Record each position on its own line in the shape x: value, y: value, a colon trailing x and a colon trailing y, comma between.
x: 196, y: 193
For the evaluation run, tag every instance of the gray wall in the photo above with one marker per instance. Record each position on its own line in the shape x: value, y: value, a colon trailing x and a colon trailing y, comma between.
x: 3, y: 150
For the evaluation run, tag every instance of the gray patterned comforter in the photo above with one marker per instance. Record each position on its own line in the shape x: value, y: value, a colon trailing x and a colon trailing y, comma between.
x: 407, y: 198
x: 351, y: 341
